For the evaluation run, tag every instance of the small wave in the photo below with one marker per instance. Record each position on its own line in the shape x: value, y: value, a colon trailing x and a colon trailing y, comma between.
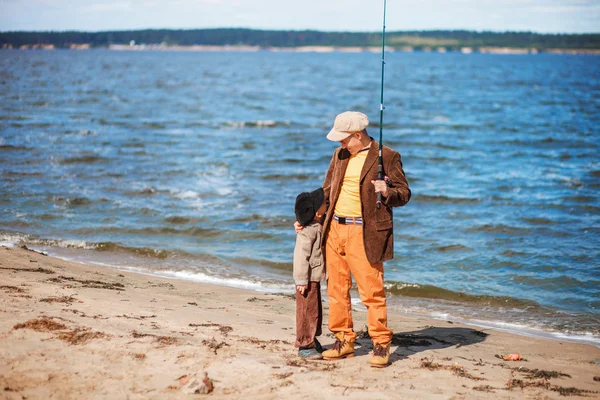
x: 138, y: 251
x: 194, y: 231
x: 81, y: 132
x: 552, y: 284
x: 22, y: 238
x: 75, y: 202
x: 297, y: 177
x: 24, y: 174
x: 580, y: 199
x: 511, y: 253
x: 13, y: 118
x: 86, y: 159
x: 186, y: 194
x: 508, y: 230
x: 539, y: 221
x: 282, y: 266
x: 47, y: 217
x: 267, y: 222
x: 148, y: 191
x: 222, y: 281
x: 136, y: 145
x: 153, y: 125
x: 10, y: 147
x: 257, y: 124
x: 277, y: 161
x: 453, y: 247
x: 444, y: 199
x: 176, y: 220
x: 434, y: 292
x: 528, y: 330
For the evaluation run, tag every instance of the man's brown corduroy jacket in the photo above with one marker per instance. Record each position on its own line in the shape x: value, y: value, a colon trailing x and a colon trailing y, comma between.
x: 377, y: 224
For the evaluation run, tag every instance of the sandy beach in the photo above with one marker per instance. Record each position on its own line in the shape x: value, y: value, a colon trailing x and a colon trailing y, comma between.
x: 73, y: 331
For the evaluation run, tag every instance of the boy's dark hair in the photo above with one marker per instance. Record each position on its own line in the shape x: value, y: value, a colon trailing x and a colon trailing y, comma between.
x: 307, y: 204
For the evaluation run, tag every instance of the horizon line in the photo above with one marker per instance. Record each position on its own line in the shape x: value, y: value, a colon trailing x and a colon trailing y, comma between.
x: 301, y: 30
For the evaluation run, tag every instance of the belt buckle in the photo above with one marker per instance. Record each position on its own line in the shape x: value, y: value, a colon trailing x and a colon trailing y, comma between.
x: 342, y: 220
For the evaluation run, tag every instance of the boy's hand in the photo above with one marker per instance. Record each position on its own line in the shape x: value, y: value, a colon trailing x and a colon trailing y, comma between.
x: 297, y: 226
x: 301, y: 289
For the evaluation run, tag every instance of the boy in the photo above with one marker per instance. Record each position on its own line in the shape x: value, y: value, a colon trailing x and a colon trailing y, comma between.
x: 309, y: 271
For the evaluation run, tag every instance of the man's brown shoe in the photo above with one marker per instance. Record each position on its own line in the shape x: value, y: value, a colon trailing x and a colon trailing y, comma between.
x: 340, y: 349
x: 381, y: 356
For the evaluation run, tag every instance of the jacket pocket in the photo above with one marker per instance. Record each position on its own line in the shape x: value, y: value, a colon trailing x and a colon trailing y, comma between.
x: 384, y: 225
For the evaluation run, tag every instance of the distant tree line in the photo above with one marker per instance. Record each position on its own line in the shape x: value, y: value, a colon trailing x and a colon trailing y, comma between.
x: 264, y: 38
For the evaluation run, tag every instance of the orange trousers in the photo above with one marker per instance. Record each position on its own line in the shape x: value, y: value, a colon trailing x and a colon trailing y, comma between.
x: 345, y: 255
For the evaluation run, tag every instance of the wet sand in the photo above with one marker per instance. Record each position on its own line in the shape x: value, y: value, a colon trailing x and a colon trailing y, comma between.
x: 74, y: 331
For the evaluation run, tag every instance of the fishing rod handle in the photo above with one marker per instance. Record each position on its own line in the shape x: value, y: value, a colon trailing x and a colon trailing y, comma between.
x: 380, y: 178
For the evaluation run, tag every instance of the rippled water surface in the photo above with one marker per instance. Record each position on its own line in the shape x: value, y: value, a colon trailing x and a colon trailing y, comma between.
x: 188, y: 164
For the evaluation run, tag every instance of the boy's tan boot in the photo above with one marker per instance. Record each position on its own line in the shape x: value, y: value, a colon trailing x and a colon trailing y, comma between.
x: 381, y: 356
x: 340, y: 349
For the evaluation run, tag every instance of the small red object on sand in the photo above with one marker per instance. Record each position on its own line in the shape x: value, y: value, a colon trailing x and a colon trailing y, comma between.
x: 512, y: 357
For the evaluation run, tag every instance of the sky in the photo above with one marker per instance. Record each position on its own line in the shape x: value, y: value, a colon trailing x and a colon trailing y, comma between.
x: 547, y: 16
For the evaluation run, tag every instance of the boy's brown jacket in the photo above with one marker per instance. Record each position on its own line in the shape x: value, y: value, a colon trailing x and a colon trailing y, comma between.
x: 377, y: 224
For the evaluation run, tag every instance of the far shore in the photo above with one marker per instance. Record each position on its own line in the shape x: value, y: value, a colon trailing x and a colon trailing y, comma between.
x: 311, y: 49
x: 70, y: 331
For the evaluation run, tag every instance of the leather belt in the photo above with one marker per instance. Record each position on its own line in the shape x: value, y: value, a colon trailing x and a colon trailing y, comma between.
x: 348, y: 220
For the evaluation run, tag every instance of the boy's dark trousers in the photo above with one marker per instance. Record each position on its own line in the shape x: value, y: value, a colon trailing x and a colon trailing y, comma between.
x: 309, y: 315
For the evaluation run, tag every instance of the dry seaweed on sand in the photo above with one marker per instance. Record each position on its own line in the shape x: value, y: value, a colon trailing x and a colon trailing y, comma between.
x: 166, y: 340
x: 485, y: 388
x: 457, y: 369
x: 540, y: 373
x: 88, y: 283
x: 80, y: 336
x: 163, y: 340
x: 42, y: 324
x: 12, y: 289
x: 255, y: 299
x: 224, y: 329
x: 214, y: 345
x: 134, y: 317
x: 311, y: 365
x: 518, y: 383
x: 264, y: 343
x: 138, y: 335
x: 40, y: 270
x: 346, y: 387
x: 571, y: 391
x: 283, y: 375
x: 289, y: 296
x: 61, y: 299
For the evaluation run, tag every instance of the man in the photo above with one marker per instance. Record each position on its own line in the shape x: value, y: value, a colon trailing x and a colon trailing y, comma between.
x: 357, y: 236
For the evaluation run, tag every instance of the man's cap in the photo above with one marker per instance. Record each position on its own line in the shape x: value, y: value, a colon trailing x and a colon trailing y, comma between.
x: 307, y: 204
x: 346, y: 124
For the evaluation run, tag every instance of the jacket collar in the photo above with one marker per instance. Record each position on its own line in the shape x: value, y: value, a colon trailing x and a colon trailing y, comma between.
x: 372, y: 156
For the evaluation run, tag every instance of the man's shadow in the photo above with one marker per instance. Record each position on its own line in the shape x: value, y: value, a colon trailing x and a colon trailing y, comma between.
x: 431, y: 338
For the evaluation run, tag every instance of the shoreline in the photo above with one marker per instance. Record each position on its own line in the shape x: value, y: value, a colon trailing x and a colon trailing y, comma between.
x: 397, y: 304
x: 73, y: 330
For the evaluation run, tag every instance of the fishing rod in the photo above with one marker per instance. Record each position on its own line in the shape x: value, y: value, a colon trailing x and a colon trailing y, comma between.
x: 381, y: 108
